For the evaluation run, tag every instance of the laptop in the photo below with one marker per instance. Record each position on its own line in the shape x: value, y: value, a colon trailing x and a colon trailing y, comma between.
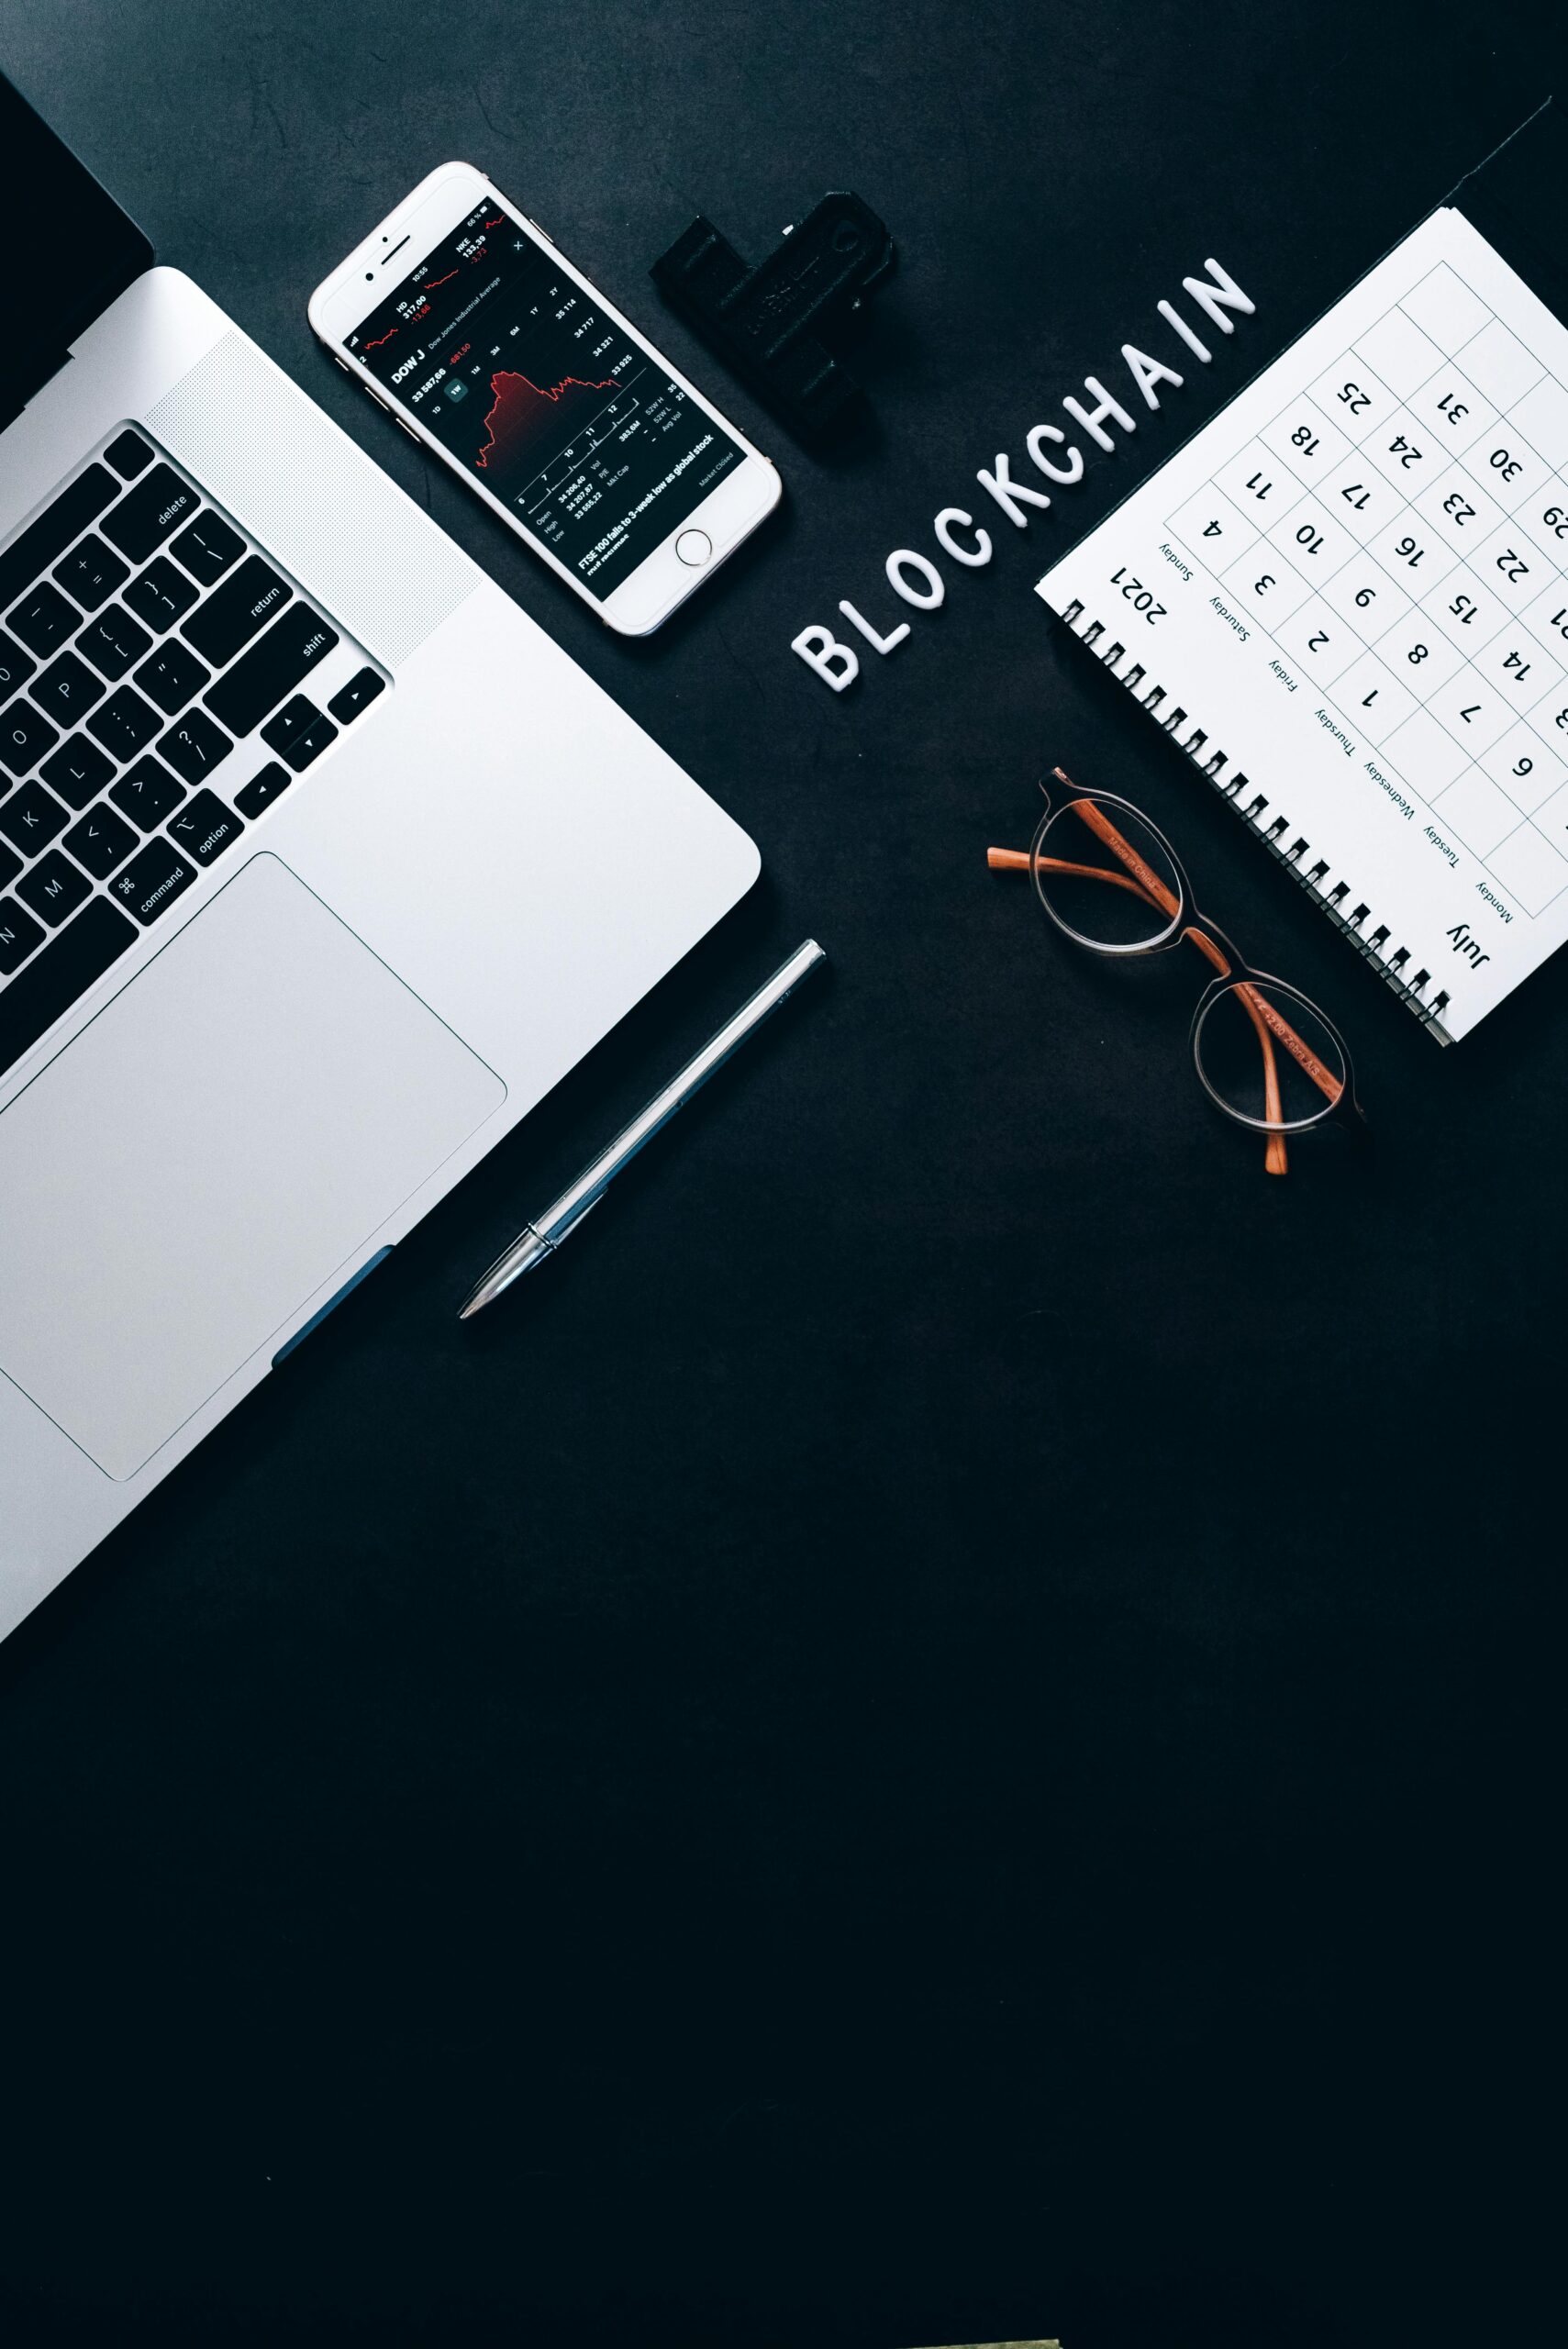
x: 319, y: 865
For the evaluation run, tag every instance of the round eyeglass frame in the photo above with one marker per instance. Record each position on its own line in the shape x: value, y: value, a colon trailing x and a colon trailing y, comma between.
x: 1188, y: 919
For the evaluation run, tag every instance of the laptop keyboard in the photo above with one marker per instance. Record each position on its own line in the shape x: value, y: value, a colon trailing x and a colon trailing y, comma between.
x: 156, y: 696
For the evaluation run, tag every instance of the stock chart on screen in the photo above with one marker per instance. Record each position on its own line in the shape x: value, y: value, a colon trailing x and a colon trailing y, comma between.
x: 545, y: 399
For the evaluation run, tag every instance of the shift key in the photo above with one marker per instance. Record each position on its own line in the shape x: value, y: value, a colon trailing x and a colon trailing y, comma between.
x: 273, y: 666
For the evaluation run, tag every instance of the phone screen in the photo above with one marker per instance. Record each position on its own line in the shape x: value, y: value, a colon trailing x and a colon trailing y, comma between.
x: 517, y: 371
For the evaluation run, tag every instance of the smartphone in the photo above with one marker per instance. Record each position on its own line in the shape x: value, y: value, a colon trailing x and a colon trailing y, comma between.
x: 463, y: 320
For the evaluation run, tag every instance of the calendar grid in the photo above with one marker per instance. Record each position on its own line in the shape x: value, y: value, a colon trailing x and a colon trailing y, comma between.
x: 1399, y: 529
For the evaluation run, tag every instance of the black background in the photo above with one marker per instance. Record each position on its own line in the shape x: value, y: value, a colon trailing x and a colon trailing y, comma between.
x: 948, y: 1729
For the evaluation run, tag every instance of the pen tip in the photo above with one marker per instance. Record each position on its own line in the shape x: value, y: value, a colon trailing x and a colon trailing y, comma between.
x: 527, y: 1252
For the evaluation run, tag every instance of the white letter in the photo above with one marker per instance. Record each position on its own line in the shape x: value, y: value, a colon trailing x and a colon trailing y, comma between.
x: 943, y: 527
x: 819, y: 650
x: 1222, y: 295
x: 888, y: 643
x: 1107, y: 407
x: 1054, y: 472
x: 928, y: 571
x: 1147, y: 373
x: 1007, y: 492
x: 1174, y: 318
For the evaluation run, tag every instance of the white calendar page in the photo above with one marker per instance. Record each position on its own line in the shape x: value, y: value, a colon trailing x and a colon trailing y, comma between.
x: 1352, y: 586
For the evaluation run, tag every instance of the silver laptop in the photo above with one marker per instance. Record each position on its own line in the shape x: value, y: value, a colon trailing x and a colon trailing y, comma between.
x: 319, y: 865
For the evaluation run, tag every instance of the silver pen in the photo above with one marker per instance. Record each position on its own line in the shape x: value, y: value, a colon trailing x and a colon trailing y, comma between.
x: 542, y: 1238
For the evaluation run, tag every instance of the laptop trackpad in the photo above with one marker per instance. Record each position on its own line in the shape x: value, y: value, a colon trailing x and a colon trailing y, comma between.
x: 225, y: 1136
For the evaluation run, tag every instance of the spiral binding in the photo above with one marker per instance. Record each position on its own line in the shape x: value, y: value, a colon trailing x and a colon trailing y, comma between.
x: 1290, y: 848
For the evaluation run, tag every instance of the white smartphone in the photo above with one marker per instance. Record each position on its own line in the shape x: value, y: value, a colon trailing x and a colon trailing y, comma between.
x: 464, y: 322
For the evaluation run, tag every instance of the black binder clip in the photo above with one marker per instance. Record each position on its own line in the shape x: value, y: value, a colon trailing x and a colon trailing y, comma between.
x: 770, y: 324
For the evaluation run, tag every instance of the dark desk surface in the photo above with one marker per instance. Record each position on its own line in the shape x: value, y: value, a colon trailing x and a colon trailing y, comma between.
x: 944, y: 1733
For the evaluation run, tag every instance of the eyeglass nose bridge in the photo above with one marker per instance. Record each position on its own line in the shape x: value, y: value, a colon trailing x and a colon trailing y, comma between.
x: 1239, y: 968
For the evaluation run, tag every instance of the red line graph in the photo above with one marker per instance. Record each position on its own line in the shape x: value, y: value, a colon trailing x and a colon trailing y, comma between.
x: 432, y: 282
x: 381, y: 339
x: 514, y: 411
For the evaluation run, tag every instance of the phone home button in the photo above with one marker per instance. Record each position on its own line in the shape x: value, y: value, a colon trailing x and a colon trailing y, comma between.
x: 694, y: 547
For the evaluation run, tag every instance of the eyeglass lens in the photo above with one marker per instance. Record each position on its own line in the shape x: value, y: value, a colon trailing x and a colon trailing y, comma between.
x: 1268, y: 1056
x: 1105, y: 877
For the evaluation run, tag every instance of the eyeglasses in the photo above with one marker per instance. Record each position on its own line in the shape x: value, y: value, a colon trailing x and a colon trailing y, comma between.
x: 1265, y: 1053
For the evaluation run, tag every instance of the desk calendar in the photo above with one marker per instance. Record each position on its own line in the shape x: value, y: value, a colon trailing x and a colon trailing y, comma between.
x: 1347, y: 598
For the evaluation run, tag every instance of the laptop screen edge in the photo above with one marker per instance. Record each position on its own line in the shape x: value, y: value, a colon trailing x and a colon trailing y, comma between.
x: 74, y: 250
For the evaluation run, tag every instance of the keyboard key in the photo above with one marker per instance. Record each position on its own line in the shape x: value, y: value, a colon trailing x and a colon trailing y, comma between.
x: 172, y: 676
x: 275, y: 663
x: 10, y: 865
x: 58, y: 527
x: 146, y: 793
x: 310, y: 744
x: 113, y: 642
x: 207, y: 546
x: 129, y: 455
x: 125, y: 724
x: 195, y: 747
x: 356, y: 694
x: 239, y: 610
x: 20, y: 934
x: 91, y: 572
x: 261, y: 790
x: 54, y: 888
x: 151, y: 882
x: 68, y: 966
x: 290, y: 721
x: 15, y: 666
x: 44, y: 620
x: 100, y: 841
x: 31, y: 818
x: 161, y: 594
x: 25, y: 735
x: 77, y: 771
x: 67, y: 689
x: 205, y: 827
x: 146, y: 514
